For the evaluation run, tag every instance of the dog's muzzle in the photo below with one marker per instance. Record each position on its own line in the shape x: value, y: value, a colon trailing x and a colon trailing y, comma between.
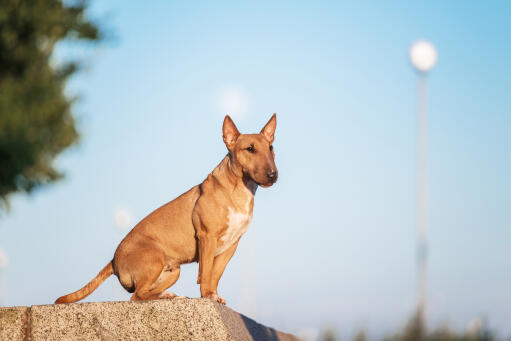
x: 272, y: 176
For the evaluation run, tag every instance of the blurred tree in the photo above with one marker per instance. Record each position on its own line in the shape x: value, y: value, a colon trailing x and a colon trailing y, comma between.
x: 415, y: 330
x: 360, y: 336
x: 36, y: 123
x: 329, y: 335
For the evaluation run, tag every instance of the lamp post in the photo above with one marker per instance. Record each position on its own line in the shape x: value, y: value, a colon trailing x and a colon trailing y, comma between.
x: 423, y: 56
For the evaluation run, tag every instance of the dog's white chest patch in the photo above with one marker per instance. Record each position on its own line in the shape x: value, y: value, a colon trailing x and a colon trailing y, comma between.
x: 237, y: 225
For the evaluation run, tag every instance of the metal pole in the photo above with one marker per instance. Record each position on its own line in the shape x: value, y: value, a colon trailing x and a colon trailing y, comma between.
x: 422, y: 193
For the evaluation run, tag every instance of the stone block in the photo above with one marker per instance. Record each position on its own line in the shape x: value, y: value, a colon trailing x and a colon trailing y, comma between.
x: 14, y: 323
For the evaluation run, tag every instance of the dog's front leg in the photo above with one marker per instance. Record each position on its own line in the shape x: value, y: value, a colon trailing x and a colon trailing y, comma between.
x: 219, y: 265
x: 207, y: 249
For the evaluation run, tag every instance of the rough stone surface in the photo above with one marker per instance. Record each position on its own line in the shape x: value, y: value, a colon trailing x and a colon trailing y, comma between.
x: 13, y: 323
x: 176, y: 319
x: 241, y: 327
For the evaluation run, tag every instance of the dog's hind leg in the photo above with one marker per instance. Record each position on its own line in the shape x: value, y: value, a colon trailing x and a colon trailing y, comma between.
x: 149, y: 273
x: 154, y: 289
x: 166, y: 280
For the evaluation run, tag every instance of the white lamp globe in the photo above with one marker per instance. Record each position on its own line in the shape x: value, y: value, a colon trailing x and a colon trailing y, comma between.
x: 423, y: 55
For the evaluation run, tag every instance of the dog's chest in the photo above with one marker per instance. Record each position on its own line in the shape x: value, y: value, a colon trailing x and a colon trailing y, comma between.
x: 238, y: 221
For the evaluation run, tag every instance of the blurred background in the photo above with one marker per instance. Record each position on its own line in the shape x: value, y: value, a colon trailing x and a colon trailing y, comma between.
x: 111, y: 109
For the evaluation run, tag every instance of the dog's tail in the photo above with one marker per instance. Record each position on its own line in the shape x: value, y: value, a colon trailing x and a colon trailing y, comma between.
x: 89, y: 287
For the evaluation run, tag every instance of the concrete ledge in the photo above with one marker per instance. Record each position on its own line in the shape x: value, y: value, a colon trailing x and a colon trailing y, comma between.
x: 176, y: 319
x: 14, y: 323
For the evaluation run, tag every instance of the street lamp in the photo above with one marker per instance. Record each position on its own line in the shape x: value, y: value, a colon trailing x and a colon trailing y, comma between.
x: 423, y: 56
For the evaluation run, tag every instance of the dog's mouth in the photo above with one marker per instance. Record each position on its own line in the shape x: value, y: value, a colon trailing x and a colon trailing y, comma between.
x: 256, y: 179
x: 266, y: 184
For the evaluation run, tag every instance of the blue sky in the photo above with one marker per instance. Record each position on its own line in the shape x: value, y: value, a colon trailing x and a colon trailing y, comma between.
x: 333, y: 242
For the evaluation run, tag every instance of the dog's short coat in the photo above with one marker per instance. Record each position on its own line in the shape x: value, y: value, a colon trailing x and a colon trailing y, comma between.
x: 203, y: 224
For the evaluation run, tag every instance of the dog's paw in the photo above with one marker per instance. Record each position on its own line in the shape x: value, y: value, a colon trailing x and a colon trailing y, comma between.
x: 221, y: 300
x: 167, y: 295
x: 216, y: 297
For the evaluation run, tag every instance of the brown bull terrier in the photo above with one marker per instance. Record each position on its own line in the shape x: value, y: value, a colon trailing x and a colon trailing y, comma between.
x: 204, y: 224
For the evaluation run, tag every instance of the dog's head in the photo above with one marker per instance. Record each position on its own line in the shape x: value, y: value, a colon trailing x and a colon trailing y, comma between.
x: 253, y: 153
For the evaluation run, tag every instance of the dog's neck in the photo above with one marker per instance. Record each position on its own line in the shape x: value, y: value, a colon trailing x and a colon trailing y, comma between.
x: 229, y: 175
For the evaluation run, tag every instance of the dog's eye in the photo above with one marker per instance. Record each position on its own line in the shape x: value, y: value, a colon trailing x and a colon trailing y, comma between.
x: 271, y: 148
x: 251, y: 149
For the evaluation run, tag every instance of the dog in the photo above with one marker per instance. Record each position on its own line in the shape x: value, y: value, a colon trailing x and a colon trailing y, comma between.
x: 202, y: 225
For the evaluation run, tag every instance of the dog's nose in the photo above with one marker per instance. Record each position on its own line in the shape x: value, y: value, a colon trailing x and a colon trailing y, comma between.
x: 272, y: 175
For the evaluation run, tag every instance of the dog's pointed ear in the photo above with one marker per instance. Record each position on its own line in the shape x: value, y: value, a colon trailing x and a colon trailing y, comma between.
x: 269, y: 129
x: 230, y: 132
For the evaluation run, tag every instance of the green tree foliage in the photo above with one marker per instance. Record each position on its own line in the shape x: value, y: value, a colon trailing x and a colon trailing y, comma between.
x: 36, y: 123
